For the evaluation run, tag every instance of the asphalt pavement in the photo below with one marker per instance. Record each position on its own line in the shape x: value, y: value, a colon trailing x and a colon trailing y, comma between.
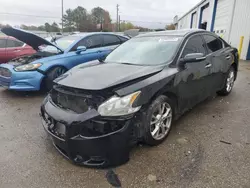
x: 207, y: 147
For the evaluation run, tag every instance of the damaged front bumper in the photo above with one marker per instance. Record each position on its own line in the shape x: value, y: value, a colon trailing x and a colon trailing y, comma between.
x: 87, y: 139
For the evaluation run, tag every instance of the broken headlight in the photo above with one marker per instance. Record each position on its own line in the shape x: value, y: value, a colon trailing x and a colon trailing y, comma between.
x: 28, y: 67
x: 119, y: 106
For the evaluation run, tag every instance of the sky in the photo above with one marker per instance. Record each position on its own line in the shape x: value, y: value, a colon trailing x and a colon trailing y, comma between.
x: 145, y: 13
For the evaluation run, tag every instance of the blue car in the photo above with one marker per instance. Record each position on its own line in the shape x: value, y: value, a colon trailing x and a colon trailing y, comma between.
x: 35, y: 72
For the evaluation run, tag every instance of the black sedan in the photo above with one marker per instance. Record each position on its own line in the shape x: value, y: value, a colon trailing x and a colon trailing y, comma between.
x: 98, y: 110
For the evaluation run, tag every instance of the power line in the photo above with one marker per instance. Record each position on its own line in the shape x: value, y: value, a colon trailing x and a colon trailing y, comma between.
x: 146, y: 21
x: 28, y: 15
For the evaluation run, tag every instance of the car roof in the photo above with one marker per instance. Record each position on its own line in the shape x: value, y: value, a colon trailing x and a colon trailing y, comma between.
x: 82, y: 35
x: 180, y: 33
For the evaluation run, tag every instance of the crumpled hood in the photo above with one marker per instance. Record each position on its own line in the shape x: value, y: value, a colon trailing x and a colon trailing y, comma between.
x: 99, y: 76
x: 29, y: 38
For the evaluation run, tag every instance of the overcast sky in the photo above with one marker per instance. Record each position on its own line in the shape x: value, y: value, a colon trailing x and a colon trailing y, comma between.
x: 148, y: 13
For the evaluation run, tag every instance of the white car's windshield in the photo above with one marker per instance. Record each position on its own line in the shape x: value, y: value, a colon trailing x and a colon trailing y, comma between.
x: 153, y: 50
x: 62, y: 43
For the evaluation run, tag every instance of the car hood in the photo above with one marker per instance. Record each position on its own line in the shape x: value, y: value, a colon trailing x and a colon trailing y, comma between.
x: 99, y: 76
x: 29, y: 38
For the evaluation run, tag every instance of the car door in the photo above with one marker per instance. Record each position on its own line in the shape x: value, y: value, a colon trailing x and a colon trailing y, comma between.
x: 193, y: 78
x: 14, y: 49
x: 3, y: 50
x: 93, y: 44
x: 221, y: 60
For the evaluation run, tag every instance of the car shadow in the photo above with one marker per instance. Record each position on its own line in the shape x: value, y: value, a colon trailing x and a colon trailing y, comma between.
x: 21, y: 94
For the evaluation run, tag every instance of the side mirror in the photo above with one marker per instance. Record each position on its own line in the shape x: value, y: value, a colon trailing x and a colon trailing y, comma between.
x: 102, y: 59
x: 192, y: 58
x: 80, y: 49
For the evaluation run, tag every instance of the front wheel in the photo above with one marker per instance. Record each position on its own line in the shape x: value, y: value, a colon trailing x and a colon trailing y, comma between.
x: 52, y: 75
x: 228, y: 86
x: 158, y: 120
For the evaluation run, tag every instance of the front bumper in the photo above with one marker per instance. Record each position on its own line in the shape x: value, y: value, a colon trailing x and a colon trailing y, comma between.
x: 102, y: 151
x: 21, y: 81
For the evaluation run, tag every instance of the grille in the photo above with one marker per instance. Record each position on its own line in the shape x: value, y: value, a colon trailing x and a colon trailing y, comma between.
x: 70, y: 99
x: 5, y: 72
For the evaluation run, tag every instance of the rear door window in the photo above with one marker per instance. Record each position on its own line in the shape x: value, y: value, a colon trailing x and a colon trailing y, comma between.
x: 2, y: 43
x: 94, y: 41
x: 13, y: 43
x: 110, y: 40
x: 214, y: 44
x: 194, y: 45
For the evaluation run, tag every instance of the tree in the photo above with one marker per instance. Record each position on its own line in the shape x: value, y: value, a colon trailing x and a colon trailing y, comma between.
x: 170, y: 27
x: 102, y: 18
x: 76, y: 19
x: 68, y: 20
x: 47, y: 27
x: 80, y: 18
x: 126, y: 26
x: 54, y: 27
x: 41, y: 28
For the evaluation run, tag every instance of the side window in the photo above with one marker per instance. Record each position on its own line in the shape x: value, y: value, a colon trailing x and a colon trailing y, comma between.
x: 91, y: 42
x: 214, y: 44
x: 194, y: 45
x: 18, y: 43
x: 2, y: 43
x: 10, y: 43
x: 110, y: 40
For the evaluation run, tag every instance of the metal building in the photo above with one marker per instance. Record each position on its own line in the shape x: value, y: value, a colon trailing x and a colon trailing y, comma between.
x: 230, y: 19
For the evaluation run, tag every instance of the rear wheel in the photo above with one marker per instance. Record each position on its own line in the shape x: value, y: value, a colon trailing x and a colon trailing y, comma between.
x: 52, y: 75
x: 228, y: 86
x: 158, y: 120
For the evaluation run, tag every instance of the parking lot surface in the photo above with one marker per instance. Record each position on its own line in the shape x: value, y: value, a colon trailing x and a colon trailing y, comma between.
x: 207, y: 147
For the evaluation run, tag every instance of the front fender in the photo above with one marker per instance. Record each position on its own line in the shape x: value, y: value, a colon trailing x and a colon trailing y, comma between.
x: 159, y: 83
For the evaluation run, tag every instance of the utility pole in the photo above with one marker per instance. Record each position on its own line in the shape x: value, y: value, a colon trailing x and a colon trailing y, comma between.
x: 62, y: 16
x: 119, y: 25
x: 117, y: 17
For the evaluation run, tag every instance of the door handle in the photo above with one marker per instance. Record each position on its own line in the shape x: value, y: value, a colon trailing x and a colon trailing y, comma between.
x: 208, y: 66
x: 228, y: 57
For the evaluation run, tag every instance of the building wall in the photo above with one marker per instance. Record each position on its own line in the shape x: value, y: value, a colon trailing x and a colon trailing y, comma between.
x: 233, y: 21
x: 241, y: 26
x: 185, y: 22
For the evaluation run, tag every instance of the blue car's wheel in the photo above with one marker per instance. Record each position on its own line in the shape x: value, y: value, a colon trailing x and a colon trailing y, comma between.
x: 52, y: 75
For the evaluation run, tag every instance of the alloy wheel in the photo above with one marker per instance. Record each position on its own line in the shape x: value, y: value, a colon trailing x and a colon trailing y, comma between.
x: 230, y: 81
x: 161, y: 121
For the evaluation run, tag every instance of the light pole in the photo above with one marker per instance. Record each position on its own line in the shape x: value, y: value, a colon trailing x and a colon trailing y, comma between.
x: 62, y: 16
x: 117, y: 17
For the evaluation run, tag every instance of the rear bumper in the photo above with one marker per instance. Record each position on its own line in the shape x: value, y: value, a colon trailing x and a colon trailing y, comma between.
x: 22, y: 81
x: 103, y: 151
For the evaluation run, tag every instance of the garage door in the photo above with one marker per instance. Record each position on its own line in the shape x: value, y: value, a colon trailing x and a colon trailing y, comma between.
x: 222, y: 17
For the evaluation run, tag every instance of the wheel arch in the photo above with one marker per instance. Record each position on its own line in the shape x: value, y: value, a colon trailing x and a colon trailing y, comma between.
x: 170, y: 94
x: 42, y: 82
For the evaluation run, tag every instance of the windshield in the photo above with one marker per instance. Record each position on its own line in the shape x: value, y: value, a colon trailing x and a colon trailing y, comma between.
x: 62, y: 43
x: 152, y: 50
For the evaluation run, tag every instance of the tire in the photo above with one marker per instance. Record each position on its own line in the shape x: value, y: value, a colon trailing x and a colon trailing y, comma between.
x: 154, y: 136
x: 229, y: 83
x: 52, y: 75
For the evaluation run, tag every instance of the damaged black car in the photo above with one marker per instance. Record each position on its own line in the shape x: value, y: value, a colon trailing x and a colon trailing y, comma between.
x: 98, y: 110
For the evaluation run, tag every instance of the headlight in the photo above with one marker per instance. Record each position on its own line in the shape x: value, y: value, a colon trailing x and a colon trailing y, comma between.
x: 28, y: 67
x: 119, y: 106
